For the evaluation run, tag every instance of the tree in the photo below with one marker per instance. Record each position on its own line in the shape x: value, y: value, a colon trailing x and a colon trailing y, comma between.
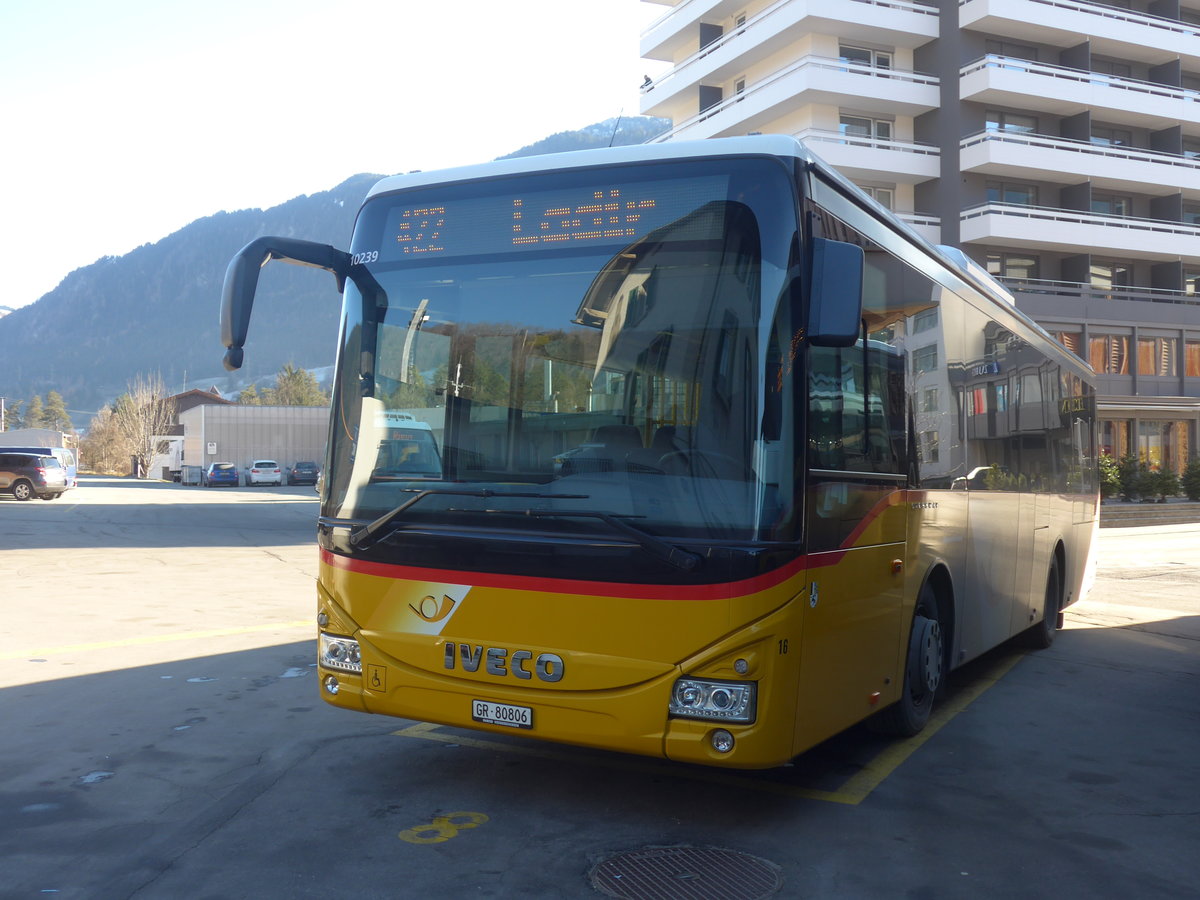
x: 142, y: 415
x: 34, y: 414
x: 105, y: 448
x: 12, y: 415
x: 1191, y: 479
x: 250, y: 397
x: 293, y: 387
x: 55, y: 413
x: 298, y: 387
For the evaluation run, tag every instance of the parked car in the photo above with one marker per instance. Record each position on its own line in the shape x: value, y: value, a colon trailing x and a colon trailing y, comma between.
x: 264, y: 471
x: 29, y: 475
x: 220, y: 473
x: 303, y: 473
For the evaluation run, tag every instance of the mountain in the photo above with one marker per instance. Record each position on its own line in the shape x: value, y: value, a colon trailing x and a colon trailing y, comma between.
x: 155, y: 309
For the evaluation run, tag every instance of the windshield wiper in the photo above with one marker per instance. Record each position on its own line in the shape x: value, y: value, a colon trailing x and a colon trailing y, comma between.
x: 652, y: 544
x: 365, y: 536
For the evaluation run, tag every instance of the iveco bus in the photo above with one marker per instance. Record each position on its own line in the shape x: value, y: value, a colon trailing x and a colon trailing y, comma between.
x: 698, y: 474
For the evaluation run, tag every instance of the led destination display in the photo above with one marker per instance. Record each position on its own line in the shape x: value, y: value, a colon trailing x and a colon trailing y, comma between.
x: 536, y: 220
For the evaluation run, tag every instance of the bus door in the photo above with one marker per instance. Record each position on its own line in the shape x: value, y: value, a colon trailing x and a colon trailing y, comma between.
x: 855, y: 529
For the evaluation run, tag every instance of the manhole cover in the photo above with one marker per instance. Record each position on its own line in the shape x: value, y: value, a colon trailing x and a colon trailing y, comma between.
x: 686, y: 873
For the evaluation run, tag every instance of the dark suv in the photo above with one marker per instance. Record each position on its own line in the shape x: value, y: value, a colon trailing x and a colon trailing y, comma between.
x: 303, y: 473
x: 26, y: 475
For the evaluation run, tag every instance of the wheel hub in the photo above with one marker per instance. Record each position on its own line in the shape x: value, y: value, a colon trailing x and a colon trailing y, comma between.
x: 926, y: 655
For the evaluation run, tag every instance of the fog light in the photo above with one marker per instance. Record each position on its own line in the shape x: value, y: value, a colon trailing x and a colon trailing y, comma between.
x: 721, y: 740
x: 331, y: 685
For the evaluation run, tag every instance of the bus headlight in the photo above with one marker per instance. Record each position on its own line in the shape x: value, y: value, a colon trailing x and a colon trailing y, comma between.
x: 337, y: 652
x: 723, y: 701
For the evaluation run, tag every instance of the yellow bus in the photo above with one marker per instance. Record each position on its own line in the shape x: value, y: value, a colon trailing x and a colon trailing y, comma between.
x: 720, y: 457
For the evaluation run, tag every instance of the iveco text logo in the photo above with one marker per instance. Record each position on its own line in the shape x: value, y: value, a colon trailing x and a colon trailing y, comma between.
x: 498, y: 661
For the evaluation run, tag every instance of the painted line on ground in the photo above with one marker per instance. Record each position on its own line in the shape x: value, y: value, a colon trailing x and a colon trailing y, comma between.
x: 856, y: 788
x: 144, y: 640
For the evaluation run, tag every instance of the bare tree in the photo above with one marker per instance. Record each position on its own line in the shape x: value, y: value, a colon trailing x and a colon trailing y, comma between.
x: 104, y: 449
x: 142, y: 416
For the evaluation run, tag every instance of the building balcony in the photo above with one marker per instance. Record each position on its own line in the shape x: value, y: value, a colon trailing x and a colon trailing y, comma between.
x: 1023, y: 288
x: 899, y: 23
x: 1112, y: 31
x: 1043, y: 158
x: 1068, y: 230
x: 1018, y: 83
x: 870, y: 159
x: 811, y: 79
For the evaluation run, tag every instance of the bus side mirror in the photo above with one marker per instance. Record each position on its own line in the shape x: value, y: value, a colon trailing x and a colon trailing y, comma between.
x: 241, y: 281
x: 835, y: 293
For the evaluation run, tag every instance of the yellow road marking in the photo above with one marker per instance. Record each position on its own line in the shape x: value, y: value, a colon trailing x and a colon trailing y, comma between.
x: 856, y: 789
x: 144, y: 640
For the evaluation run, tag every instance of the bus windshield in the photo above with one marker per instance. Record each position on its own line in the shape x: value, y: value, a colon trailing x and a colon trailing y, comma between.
x: 562, y: 352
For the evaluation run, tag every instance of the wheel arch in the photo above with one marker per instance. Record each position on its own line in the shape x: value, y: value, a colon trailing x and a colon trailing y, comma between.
x: 938, y: 578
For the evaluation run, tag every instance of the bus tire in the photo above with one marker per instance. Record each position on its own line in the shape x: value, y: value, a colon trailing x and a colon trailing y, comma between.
x: 924, y: 671
x: 22, y: 490
x: 1041, y: 635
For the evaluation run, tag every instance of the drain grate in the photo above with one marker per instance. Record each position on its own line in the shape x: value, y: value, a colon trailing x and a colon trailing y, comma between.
x: 686, y: 873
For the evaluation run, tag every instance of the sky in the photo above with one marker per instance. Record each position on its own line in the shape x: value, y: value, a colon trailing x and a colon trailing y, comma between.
x: 123, y: 121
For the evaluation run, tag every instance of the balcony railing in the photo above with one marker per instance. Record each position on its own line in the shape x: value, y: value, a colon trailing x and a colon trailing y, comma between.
x: 1107, y: 151
x: 823, y: 63
x: 1117, y: 14
x: 1079, y: 76
x: 821, y: 136
x: 1079, y: 217
x: 761, y: 21
x: 1096, y: 292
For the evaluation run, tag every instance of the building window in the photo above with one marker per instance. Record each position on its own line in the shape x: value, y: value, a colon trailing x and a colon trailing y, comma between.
x: 1011, y: 192
x: 1072, y: 340
x: 1191, y: 148
x: 1109, y: 354
x: 925, y: 359
x: 1112, y: 67
x: 739, y: 86
x: 1156, y: 356
x: 864, y: 128
x: 999, y: 120
x: 876, y: 59
x: 929, y: 400
x: 1107, y: 274
x: 925, y: 320
x: 1008, y: 48
x: 1191, y: 213
x: 1111, y: 137
x: 885, y: 197
x: 929, y: 446
x: 1020, y: 266
x: 1192, y: 362
x: 1112, y: 205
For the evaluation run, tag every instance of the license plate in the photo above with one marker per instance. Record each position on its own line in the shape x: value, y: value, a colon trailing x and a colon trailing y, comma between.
x: 501, y: 714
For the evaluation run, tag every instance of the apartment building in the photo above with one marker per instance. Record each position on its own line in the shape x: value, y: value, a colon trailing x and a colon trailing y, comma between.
x: 1057, y: 142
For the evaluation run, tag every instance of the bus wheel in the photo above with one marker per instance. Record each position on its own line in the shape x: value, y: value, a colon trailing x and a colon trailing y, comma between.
x: 923, y: 671
x: 1041, y: 635
x: 22, y: 490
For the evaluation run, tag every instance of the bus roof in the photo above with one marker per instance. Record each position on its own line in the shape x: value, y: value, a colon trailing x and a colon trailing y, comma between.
x: 752, y: 145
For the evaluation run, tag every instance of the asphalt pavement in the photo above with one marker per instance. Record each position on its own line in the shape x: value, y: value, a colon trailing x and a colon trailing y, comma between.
x: 163, y: 737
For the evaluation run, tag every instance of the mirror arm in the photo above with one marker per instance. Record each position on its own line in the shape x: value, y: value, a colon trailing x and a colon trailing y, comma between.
x: 241, y: 282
